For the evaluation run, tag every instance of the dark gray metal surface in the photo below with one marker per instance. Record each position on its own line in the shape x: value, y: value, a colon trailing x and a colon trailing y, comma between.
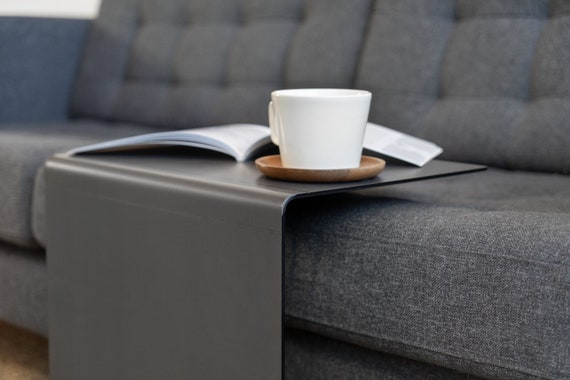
x: 169, y: 266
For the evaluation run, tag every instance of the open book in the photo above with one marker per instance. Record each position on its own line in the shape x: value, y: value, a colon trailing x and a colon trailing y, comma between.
x: 245, y: 141
x: 390, y: 143
x: 241, y: 141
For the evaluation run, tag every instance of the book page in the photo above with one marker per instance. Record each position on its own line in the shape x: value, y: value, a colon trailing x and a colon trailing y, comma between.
x: 399, y: 145
x: 237, y: 140
x: 243, y: 139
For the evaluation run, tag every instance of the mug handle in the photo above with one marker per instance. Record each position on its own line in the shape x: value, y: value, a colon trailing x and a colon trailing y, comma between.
x: 274, y: 123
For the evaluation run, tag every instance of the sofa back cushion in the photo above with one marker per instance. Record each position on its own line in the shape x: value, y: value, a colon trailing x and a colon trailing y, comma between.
x: 487, y: 80
x: 187, y: 63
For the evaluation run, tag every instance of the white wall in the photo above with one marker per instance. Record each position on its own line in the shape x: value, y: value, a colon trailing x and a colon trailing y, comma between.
x: 50, y: 8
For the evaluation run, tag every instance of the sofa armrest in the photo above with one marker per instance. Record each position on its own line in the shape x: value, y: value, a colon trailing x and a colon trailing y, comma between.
x: 37, y: 69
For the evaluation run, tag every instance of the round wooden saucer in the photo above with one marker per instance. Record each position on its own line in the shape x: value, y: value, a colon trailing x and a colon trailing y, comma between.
x: 272, y: 167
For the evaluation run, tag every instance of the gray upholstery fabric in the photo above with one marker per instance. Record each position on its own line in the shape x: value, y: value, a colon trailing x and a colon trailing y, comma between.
x: 487, y: 80
x: 492, y: 190
x: 28, y: 94
x: 309, y: 356
x: 23, y: 288
x: 23, y: 149
x: 207, y: 62
x: 469, y: 273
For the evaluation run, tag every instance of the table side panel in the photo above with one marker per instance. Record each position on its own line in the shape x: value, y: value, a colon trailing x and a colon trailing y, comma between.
x: 151, y: 279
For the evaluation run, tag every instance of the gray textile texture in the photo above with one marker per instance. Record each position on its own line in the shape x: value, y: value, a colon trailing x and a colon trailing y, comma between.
x: 486, y: 80
x: 39, y: 58
x: 207, y: 62
x: 23, y: 150
x: 489, y: 81
x: 470, y: 273
x: 314, y: 357
x: 23, y: 288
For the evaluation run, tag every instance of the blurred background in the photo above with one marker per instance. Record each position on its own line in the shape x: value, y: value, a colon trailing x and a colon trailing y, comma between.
x: 50, y: 8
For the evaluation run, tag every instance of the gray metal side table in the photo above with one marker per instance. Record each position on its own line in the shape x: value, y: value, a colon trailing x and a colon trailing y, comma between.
x: 170, y: 266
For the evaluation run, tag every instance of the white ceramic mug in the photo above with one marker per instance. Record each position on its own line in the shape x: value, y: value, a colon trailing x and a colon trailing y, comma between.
x: 319, y: 128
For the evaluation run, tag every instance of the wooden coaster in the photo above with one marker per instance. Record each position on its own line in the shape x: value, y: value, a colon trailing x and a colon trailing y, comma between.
x: 272, y: 167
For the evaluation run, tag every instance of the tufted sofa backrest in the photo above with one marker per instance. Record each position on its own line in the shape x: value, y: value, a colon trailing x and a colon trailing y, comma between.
x: 187, y: 63
x: 489, y: 80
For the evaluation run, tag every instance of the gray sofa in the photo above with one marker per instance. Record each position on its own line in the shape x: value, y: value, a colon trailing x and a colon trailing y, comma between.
x: 459, y: 278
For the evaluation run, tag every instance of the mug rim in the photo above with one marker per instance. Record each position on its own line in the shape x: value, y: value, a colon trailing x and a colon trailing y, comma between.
x: 320, y: 93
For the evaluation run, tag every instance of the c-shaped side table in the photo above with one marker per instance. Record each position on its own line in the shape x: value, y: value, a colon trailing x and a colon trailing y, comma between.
x: 170, y: 266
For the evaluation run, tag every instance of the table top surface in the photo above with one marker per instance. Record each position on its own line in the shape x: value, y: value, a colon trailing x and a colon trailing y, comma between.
x: 199, y: 167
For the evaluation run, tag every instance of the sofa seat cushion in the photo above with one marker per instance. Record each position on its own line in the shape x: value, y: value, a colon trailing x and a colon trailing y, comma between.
x: 314, y: 357
x: 23, y: 150
x: 470, y: 272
